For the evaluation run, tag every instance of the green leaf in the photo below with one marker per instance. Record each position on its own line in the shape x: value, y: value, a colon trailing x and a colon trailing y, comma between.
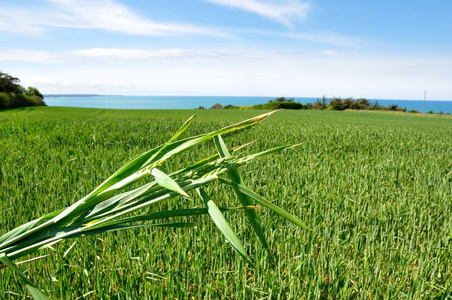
x: 135, y: 165
x: 108, y: 228
x: 203, y: 138
x: 167, y: 182
x: 244, y: 200
x: 223, y: 225
x: 265, y: 203
x: 175, y: 213
x: 113, y: 202
x: 129, y: 174
x: 32, y: 288
x: 25, y: 229
x: 178, y: 133
x: 17, y: 231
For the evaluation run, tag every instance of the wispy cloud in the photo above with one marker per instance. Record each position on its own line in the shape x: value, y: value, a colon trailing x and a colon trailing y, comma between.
x: 29, y: 56
x: 52, y: 85
x: 85, y: 14
x: 284, y: 11
x: 128, y: 54
x: 319, y: 37
x: 329, y: 53
x: 251, y: 72
x: 328, y: 38
x: 91, y: 54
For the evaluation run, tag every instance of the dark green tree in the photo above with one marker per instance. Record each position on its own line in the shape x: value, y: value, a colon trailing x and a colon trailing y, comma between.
x: 320, y: 104
x: 9, y: 84
x: 336, y: 103
x: 32, y: 91
x: 347, y: 103
x: 361, y: 103
x: 13, y: 95
x: 217, y: 106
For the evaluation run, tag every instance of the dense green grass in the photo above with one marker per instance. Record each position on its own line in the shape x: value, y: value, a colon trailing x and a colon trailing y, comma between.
x: 375, y: 187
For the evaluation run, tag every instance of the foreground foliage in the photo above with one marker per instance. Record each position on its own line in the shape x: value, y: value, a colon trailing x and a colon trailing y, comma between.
x: 113, y: 206
x: 374, y: 187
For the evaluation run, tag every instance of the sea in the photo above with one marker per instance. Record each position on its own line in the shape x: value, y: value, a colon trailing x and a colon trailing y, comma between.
x: 192, y: 102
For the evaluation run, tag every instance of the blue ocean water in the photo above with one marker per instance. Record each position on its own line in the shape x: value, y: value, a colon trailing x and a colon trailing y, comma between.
x: 190, y: 102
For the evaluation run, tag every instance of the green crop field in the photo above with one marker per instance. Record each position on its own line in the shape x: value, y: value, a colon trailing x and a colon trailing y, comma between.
x: 376, y: 189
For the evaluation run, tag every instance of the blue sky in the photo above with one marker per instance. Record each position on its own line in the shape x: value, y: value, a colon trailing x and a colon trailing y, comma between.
x: 375, y: 49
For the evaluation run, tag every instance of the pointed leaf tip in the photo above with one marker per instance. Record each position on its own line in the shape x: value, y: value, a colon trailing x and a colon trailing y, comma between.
x: 264, y: 116
x: 223, y: 225
x: 167, y: 182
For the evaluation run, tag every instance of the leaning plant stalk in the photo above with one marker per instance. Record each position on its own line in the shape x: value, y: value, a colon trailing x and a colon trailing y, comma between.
x: 125, y: 199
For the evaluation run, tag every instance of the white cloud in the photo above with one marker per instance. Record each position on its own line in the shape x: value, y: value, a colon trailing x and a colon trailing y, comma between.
x: 280, y: 11
x: 328, y: 38
x: 318, y: 37
x: 54, y: 86
x: 256, y: 72
x: 18, y: 22
x: 330, y: 53
x: 29, y: 56
x: 128, y: 54
x: 85, y: 14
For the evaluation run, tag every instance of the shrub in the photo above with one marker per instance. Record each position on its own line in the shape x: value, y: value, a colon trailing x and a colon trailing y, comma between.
x: 290, y: 105
x: 336, y: 104
x: 376, y: 106
x: 348, y: 103
x: 361, y: 103
x: 395, y: 107
x: 280, y: 103
x: 5, y: 101
x: 320, y: 105
x: 217, y: 106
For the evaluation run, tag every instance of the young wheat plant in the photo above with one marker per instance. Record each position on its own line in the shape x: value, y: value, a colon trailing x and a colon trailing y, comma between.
x: 125, y: 200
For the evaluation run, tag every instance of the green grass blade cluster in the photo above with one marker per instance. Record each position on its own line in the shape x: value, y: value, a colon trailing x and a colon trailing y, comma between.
x: 31, y: 287
x: 120, y: 201
x: 223, y: 225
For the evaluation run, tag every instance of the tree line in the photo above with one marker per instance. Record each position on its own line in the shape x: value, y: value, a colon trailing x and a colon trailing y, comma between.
x: 335, y: 103
x: 13, y: 95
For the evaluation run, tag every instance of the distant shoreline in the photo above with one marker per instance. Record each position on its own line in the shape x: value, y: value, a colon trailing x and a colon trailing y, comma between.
x: 225, y: 97
x: 79, y: 95
x: 191, y: 102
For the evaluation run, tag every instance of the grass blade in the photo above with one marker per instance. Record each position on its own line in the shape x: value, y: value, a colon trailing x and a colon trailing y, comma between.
x: 244, y: 200
x: 109, y: 228
x: 265, y: 203
x: 223, y: 225
x: 31, y: 287
x: 203, y: 138
x: 113, y: 202
x: 176, y: 213
x: 167, y: 182
x: 174, y: 137
x: 19, y: 230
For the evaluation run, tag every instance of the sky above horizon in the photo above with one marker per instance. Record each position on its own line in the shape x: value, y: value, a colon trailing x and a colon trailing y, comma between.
x: 373, y: 49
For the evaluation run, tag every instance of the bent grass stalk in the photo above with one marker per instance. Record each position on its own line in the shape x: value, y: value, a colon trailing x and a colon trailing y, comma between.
x: 118, y: 204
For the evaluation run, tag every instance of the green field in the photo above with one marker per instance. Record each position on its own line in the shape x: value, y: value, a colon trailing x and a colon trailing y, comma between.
x: 376, y: 188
